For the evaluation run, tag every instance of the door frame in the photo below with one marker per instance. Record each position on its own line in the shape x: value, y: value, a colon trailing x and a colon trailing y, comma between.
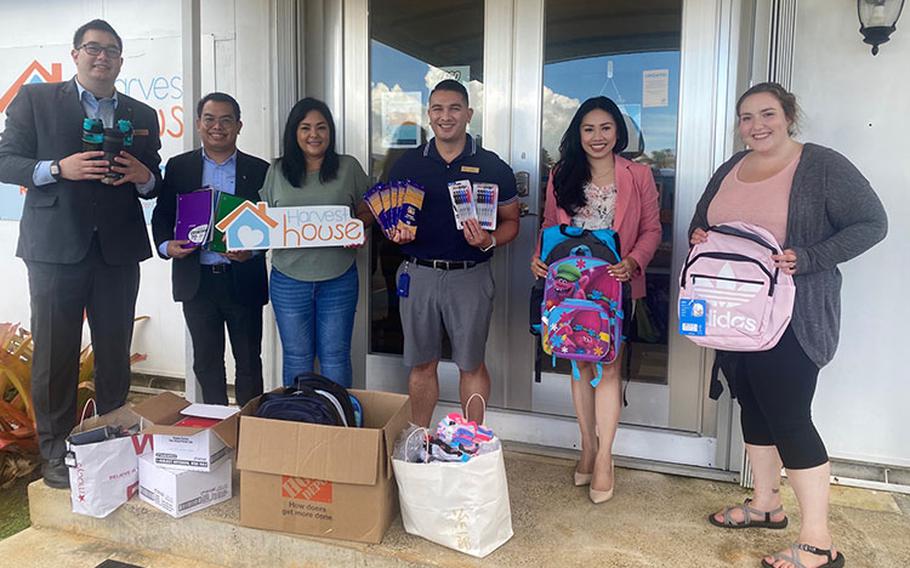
x: 513, y: 72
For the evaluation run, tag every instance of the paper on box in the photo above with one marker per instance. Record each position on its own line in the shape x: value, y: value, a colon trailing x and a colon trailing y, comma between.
x: 184, y: 447
x: 179, y: 492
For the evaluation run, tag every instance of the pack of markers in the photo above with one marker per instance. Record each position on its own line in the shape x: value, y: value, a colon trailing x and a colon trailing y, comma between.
x: 474, y: 201
x: 395, y: 205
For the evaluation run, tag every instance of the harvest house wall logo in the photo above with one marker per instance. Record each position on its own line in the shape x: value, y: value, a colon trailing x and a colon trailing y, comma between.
x: 34, y: 73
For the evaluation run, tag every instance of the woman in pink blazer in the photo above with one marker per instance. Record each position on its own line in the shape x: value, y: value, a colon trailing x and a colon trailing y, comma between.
x: 593, y: 187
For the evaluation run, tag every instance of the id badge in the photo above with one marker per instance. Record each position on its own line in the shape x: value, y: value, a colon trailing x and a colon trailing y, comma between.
x: 404, y: 284
x: 692, y: 317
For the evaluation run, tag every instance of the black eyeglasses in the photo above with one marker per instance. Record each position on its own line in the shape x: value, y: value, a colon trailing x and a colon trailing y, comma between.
x: 95, y: 49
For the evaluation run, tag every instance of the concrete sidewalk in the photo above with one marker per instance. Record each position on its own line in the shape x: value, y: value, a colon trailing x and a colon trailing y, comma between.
x: 654, y: 520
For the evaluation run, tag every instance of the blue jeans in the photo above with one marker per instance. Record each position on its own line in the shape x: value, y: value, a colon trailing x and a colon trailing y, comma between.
x: 315, y: 320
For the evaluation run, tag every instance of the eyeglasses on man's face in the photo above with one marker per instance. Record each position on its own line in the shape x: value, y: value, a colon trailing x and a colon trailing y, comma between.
x: 95, y: 49
x: 225, y: 122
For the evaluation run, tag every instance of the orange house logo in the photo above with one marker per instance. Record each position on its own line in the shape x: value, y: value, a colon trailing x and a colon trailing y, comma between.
x: 306, y: 489
x: 34, y: 73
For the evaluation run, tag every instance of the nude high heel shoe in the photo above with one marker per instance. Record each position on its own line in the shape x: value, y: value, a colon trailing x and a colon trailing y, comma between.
x: 598, y: 497
x: 582, y: 478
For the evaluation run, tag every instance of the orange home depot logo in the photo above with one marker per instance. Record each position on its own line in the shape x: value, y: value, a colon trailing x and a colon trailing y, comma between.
x: 306, y: 489
x: 34, y: 73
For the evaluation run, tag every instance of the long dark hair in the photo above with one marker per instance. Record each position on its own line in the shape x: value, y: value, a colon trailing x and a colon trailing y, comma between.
x: 293, y: 162
x: 572, y: 171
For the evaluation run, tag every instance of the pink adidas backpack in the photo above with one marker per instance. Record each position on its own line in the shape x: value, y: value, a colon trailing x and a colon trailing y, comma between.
x: 731, y: 296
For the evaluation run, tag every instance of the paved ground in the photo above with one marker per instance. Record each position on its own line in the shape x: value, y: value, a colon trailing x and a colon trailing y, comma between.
x: 654, y: 520
x: 53, y: 549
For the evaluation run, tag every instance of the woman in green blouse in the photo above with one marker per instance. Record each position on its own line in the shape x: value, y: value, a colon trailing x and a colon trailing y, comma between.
x: 314, y: 290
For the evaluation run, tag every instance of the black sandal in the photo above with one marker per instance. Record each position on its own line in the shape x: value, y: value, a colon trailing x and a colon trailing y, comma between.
x: 748, y: 521
x: 793, y: 558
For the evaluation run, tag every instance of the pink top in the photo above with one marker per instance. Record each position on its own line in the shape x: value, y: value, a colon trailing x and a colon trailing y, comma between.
x: 636, y: 216
x: 763, y: 203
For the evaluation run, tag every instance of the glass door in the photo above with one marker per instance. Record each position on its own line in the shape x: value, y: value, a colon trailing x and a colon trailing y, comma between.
x: 528, y: 65
x: 628, y: 51
x: 412, y: 46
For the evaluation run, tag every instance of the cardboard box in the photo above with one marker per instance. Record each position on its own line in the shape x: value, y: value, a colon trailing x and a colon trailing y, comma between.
x: 186, y: 447
x: 324, y: 481
x: 178, y: 492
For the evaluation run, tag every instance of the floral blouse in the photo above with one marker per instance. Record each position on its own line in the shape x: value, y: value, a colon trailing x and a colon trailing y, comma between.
x: 599, y: 209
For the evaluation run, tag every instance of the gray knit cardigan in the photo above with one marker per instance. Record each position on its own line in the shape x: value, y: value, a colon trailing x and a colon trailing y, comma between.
x: 833, y: 215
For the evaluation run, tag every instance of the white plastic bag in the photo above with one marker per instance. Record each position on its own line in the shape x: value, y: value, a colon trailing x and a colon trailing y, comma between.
x: 105, y: 475
x: 461, y: 505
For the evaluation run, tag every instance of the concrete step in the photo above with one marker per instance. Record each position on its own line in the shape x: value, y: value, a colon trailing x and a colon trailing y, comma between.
x: 654, y: 520
x: 46, y: 548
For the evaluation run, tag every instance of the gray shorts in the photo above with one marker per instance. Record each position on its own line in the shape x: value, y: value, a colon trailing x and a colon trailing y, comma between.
x: 459, y: 301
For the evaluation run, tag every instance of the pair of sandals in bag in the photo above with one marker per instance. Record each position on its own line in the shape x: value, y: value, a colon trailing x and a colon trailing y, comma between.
x: 792, y: 554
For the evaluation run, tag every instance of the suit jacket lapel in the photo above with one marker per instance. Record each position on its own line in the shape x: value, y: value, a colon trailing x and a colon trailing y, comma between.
x: 69, y: 129
x: 243, y: 179
x: 124, y: 110
x: 195, y: 173
x: 625, y: 184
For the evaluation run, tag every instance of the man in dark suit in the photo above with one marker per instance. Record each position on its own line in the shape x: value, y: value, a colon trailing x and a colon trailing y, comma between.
x: 81, y: 239
x: 216, y: 289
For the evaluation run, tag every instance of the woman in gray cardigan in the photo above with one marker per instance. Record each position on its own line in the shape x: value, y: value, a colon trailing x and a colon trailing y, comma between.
x: 824, y: 212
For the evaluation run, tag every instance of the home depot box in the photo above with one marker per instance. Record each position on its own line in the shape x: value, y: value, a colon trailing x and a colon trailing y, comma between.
x: 192, y: 448
x: 319, y: 480
x: 179, y: 492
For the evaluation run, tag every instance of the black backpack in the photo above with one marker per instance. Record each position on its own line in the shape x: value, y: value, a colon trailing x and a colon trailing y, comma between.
x: 336, y: 392
x: 314, y: 399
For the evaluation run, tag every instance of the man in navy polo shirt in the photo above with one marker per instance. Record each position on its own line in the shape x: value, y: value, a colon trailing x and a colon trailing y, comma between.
x: 445, y: 282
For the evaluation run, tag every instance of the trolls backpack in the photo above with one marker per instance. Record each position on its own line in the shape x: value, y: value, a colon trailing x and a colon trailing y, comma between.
x: 731, y: 296
x: 581, y: 306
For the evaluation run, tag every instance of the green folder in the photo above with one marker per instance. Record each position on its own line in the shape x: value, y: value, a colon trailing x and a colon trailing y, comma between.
x: 225, y: 205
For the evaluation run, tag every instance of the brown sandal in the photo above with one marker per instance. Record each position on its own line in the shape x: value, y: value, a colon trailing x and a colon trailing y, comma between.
x: 748, y: 521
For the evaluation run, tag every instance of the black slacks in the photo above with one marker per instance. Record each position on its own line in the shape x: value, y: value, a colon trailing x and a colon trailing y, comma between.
x: 214, y: 306
x: 775, y: 390
x: 60, y: 294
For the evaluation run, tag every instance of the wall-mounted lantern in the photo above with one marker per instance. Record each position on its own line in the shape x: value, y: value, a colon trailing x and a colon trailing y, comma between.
x: 878, y: 20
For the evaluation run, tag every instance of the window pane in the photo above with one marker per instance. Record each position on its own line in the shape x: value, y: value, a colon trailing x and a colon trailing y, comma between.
x: 413, y: 46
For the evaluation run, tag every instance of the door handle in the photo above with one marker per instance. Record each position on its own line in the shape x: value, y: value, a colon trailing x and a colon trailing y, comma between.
x: 523, y: 183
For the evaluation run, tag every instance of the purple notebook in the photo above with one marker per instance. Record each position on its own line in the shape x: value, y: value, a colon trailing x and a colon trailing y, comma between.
x: 194, y: 217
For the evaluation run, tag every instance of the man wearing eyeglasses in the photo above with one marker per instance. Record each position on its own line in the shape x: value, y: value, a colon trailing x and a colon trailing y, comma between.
x: 216, y: 289
x: 81, y: 239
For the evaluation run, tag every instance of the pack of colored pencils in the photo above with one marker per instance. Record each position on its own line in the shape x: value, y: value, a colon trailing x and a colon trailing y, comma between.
x: 395, y: 205
x: 478, y: 201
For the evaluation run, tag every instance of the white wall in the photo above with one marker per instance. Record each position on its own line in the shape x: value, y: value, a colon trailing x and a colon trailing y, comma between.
x: 858, y: 104
x: 234, y: 59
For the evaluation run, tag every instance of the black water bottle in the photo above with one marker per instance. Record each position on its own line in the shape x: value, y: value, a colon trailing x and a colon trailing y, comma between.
x: 126, y: 128
x: 113, y: 144
x: 92, y: 134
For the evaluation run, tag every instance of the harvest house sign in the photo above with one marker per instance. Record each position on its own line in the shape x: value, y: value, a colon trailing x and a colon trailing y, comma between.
x: 259, y: 227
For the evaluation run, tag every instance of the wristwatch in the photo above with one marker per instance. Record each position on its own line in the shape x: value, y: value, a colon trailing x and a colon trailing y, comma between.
x: 492, y: 244
x: 55, y: 170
